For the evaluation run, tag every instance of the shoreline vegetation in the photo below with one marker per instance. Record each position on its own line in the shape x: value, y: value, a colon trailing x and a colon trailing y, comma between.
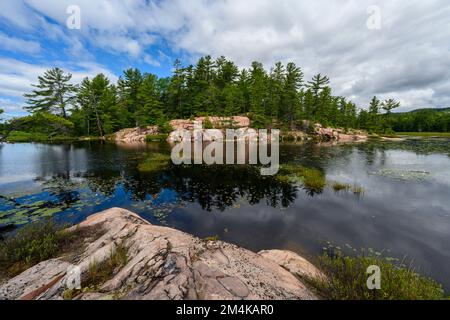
x: 280, y: 97
x: 332, y: 276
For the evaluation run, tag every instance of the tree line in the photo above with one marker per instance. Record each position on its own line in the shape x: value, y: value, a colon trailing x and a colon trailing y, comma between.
x: 278, y: 98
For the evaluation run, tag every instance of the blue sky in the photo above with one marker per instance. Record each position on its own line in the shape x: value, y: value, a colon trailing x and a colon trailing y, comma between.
x: 407, y: 57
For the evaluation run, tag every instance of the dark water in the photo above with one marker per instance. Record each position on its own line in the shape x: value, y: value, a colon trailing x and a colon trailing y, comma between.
x: 404, y: 210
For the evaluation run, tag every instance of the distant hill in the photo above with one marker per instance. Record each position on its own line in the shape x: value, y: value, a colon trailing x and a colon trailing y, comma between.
x: 430, y: 109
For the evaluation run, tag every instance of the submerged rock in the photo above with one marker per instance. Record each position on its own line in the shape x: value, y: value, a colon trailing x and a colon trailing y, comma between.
x: 163, y: 263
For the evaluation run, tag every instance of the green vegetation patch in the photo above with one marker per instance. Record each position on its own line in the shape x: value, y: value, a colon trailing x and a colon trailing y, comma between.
x: 34, y: 243
x: 155, y: 162
x: 20, y: 136
x: 346, y: 279
x: 425, y: 134
x: 157, y: 137
x: 312, y: 179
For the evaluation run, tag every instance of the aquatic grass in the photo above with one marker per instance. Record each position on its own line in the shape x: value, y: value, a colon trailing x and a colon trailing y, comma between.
x: 346, y: 279
x: 313, y: 179
x: 358, y: 190
x: 155, y: 162
x: 338, y: 186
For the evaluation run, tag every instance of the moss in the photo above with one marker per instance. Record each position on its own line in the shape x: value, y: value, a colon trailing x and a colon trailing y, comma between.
x: 346, y: 279
x: 155, y: 162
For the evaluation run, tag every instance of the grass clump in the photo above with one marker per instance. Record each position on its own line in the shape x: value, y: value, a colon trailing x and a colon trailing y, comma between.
x: 155, y: 162
x: 212, y: 238
x: 312, y: 179
x: 346, y: 279
x: 356, y: 189
x: 32, y: 244
x: 338, y: 186
x: 99, y: 273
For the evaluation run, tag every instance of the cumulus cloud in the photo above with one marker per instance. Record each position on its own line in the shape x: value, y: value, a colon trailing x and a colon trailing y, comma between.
x: 407, y: 58
x: 16, y: 78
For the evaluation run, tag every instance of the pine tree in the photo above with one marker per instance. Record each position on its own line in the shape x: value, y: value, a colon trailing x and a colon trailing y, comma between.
x: 54, y: 93
x: 374, y: 111
x: 151, y: 111
x: 277, y: 89
x: 128, y: 88
x: 316, y: 85
x: 293, y: 82
x: 258, y: 95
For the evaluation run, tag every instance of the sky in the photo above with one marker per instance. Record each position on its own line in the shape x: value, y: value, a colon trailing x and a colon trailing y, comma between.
x: 388, y: 48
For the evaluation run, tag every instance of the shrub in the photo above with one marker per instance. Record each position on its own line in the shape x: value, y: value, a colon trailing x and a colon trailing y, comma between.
x: 346, y: 279
x: 34, y: 243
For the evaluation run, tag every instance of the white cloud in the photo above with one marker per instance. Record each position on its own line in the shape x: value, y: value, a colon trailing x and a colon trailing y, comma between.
x: 407, y: 59
x: 16, y: 78
x: 19, y: 45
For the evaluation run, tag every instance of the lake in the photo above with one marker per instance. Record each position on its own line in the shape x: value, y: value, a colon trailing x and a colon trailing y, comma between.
x: 403, y: 210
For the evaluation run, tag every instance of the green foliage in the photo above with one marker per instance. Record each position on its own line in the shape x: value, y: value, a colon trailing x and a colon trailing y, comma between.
x: 54, y: 93
x: 278, y: 98
x: 346, y: 279
x: 207, y: 124
x: 32, y: 244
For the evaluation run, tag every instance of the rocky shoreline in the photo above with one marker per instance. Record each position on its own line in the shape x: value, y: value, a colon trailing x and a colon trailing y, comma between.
x: 162, y: 263
x: 308, y: 131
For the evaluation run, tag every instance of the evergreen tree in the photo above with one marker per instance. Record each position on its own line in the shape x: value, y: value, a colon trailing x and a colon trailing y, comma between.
x: 258, y: 95
x: 128, y: 89
x: 151, y: 111
x: 294, y: 80
x: 316, y: 85
x: 54, y: 93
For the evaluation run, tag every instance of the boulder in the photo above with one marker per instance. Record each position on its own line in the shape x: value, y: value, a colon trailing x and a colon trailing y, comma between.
x: 164, y: 263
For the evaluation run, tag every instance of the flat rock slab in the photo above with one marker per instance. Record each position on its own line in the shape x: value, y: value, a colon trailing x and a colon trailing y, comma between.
x: 164, y: 263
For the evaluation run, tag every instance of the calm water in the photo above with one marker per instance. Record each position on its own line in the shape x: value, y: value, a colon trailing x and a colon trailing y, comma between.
x: 405, y: 209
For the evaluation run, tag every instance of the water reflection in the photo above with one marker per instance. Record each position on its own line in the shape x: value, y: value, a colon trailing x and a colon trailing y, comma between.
x: 411, y: 218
